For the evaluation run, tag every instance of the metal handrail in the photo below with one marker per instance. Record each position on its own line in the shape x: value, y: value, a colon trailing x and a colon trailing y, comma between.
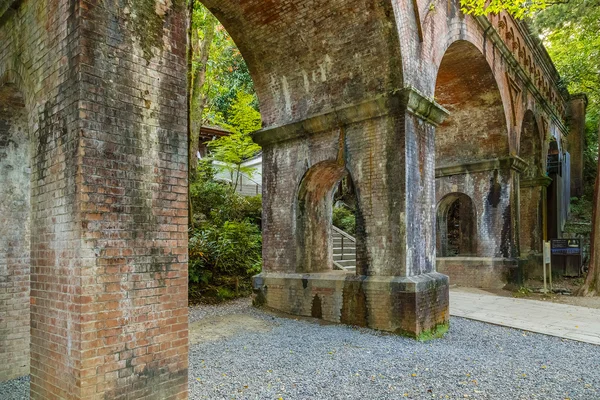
x: 341, y: 232
x: 346, y: 236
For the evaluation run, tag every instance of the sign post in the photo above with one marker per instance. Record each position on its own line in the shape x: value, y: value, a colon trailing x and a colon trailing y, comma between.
x: 548, y: 263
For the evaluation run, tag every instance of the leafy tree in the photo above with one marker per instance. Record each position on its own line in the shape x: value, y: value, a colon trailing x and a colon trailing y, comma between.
x: 591, y: 286
x: 238, y: 147
x: 570, y: 34
x: 202, y: 34
x: 218, y: 73
x: 518, y: 8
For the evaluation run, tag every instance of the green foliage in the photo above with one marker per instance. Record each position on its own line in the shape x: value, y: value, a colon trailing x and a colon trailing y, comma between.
x: 238, y: 147
x: 518, y: 8
x: 225, y: 240
x: 344, y: 219
x: 570, y: 34
x: 225, y: 247
x: 581, y: 208
x: 523, y: 292
x: 244, y: 118
x: 226, y: 71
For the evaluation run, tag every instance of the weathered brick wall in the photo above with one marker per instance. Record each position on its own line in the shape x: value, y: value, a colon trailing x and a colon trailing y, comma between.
x: 14, y: 234
x: 386, y: 147
x: 133, y: 199
x: 307, y: 58
x: 109, y: 195
x: 486, y: 122
x: 391, y: 233
x: 415, y: 306
x: 480, y: 272
x: 490, y: 192
x: 36, y: 56
x: 476, y: 128
x: 105, y: 94
x: 531, y: 220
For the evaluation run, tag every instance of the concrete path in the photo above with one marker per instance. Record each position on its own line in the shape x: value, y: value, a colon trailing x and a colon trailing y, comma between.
x: 565, y: 321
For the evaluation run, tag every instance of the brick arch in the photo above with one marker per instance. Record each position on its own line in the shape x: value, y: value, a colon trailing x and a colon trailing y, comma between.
x: 299, y: 57
x: 314, y: 209
x: 467, y: 229
x: 476, y: 128
x: 11, y: 76
x: 531, y: 144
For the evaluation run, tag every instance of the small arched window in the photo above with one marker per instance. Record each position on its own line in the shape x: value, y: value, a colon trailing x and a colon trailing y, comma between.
x: 456, y: 226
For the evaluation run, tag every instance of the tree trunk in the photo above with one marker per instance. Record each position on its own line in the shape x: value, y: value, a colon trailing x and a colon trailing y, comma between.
x: 591, y: 286
x: 197, y: 99
x: 190, y: 54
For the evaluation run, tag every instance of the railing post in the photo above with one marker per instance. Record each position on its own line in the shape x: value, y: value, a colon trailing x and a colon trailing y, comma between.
x: 341, y: 259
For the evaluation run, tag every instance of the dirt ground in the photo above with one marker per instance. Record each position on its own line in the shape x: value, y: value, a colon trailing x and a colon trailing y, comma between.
x: 221, y: 327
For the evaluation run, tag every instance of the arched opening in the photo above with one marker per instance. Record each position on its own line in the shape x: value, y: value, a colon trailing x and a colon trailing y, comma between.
x: 472, y: 145
x: 456, y: 226
x: 530, y: 148
x: 474, y: 175
x: 15, y: 218
x: 554, y: 170
x: 321, y: 245
x: 114, y: 120
x: 531, y: 190
x: 476, y: 128
x: 344, y: 225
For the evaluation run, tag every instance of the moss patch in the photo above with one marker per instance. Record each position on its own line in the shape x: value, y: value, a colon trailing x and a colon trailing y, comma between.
x: 434, y: 333
x: 148, y: 23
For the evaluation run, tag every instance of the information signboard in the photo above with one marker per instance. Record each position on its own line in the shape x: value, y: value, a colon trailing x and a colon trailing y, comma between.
x: 567, y: 256
x: 566, y: 247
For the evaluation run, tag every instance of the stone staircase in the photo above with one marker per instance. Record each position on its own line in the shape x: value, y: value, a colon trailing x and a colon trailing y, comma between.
x: 344, y: 250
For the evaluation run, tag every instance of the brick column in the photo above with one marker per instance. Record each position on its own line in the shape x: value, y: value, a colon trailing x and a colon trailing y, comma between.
x: 109, y: 265
x: 532, y: 206
x: 532, y: 195
x: 386, y: 145
x: 14, y: 234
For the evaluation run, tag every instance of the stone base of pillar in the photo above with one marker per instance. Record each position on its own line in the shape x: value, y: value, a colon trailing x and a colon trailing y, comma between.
x: 533, y: 266
x: 416, y: 306
x: 481, y: 272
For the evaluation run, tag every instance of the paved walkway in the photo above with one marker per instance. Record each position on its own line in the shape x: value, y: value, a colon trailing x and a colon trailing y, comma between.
x: 565, y: 321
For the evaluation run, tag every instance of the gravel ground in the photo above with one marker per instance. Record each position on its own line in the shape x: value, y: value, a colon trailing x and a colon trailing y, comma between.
x: 17, y: 389
x: 300, y: 359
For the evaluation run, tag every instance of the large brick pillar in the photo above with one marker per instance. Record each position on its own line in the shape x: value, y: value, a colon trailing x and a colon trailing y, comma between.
x: 14, y: 234
x: 532, y: 196
x: 577, y: 109
x: 387, y: 146
x: 109, y: 236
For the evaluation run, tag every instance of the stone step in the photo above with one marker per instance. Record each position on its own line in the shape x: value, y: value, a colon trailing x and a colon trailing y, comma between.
x: 346, y: 249
x: 347, y: 263
x: 338, y: 243
x: 347, y: 257
x: 346, y: 254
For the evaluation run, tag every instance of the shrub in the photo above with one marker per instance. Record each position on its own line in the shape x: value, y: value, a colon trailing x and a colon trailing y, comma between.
x: 225, y: 243
x: 344, y: 219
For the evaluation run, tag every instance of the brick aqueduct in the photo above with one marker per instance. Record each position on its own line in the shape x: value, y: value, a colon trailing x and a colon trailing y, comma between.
x: 427, y: 110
